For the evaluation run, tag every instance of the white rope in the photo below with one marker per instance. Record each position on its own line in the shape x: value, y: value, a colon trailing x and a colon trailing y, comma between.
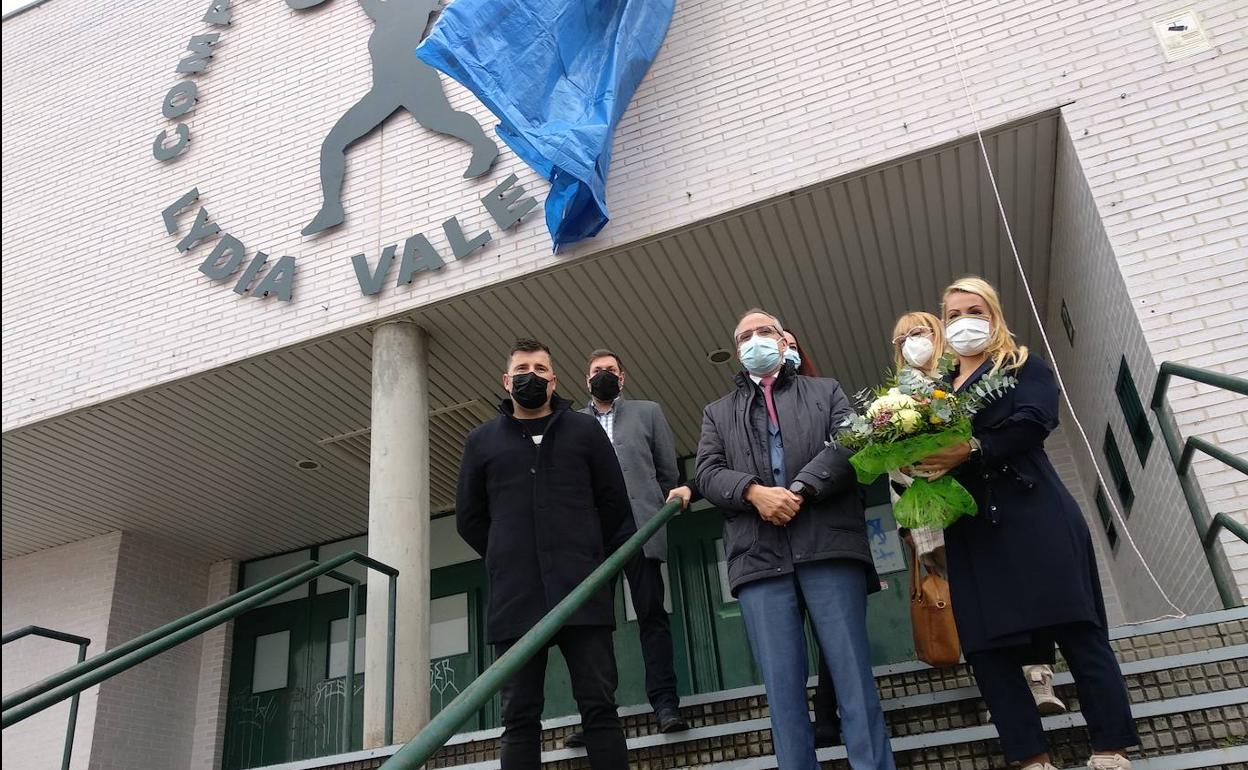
x: 970, y: 103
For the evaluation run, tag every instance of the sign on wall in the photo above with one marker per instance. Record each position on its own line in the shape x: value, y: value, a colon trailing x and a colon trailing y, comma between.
x: 401, y: 83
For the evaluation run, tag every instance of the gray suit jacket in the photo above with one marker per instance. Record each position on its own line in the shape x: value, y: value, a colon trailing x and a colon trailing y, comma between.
x: 647, y: 452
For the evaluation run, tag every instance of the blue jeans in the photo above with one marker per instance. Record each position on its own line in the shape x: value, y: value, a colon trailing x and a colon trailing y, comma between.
x: 835, y: 595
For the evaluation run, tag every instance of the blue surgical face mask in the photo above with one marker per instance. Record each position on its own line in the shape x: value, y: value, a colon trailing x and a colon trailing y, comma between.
x: 792, y: 356
x: 759, y: 355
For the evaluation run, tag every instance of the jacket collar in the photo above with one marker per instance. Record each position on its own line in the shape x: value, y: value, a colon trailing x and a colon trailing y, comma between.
x: 983, y: 369
x: 786, y: 375
x: 557, y: 404
x: 592, y: 409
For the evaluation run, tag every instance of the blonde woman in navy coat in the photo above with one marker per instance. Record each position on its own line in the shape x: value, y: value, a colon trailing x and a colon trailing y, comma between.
x: 1022, y: 572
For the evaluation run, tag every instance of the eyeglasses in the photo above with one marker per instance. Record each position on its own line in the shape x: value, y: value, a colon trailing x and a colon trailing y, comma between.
x: 918, y: 331
x: 769, y: 332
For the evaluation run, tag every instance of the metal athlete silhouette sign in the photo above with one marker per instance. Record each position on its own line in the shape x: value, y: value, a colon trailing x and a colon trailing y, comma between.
x: 400, y: 81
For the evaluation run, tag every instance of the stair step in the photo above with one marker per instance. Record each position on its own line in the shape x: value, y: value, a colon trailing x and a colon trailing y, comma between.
x: 1188, y: 680
x: 1232, y: 758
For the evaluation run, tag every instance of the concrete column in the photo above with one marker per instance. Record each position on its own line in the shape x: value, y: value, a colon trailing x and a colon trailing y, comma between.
x: 398, y: 529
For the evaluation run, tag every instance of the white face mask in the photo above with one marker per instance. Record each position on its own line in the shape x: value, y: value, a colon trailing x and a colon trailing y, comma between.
x: 969, y: 335
x: 917, y: 351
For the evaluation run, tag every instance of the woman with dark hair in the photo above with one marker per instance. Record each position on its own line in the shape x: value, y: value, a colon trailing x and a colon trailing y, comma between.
x: 827, y: 720
x: 796, y: 355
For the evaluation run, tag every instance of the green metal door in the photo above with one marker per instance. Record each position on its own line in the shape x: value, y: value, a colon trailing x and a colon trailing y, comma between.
x: 713, y: 652
x: 268, y: 679
x: 321, y: 711
x: 288, y: 683
x: 458, y: 652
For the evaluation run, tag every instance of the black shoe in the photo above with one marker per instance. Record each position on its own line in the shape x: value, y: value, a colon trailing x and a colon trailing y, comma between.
x: 669, y: 720
x: 827, y: 735
x: 575, y: 740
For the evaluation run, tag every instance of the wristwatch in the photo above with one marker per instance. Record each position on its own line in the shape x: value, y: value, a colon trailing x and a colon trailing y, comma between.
x: 976, y: 449
x: 801, y: 490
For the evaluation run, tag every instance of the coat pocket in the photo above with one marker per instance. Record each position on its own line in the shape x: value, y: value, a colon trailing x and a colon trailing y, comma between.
x: 740, y: 536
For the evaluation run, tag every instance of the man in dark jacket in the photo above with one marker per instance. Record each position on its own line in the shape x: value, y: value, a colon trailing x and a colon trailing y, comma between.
x: 542, y: 499
x: 795, y: 539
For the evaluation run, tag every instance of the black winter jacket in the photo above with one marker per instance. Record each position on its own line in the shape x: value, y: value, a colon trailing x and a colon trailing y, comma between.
x: 542, y: 516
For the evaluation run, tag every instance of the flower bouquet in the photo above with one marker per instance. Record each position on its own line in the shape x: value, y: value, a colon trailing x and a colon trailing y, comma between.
x: 907, y: 419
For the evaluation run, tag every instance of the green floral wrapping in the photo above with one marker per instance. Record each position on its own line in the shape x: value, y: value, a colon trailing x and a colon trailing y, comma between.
x: 925, y: 504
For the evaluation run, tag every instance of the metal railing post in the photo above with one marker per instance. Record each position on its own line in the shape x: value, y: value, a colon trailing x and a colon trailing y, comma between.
x: 82, y: 643
x: 353, y: 603
x: 1181, y: 454
x: 392, y: 607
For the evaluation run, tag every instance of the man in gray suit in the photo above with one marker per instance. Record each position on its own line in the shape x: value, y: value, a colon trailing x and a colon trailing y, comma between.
x: 647, y: 452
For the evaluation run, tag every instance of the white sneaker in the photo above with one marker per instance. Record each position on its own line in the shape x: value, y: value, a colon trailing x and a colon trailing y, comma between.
x: 1040, y: 681
x: 1039, y: 766
x: 1108, y: 762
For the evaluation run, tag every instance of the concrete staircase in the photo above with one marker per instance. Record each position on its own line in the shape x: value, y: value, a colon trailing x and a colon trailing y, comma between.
x: 1188, y: 681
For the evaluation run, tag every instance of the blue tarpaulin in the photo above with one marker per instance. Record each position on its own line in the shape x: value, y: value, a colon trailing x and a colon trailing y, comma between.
x: 558, y: 74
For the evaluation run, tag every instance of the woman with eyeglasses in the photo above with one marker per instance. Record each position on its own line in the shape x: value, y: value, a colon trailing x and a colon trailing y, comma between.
x: 1022, y: 573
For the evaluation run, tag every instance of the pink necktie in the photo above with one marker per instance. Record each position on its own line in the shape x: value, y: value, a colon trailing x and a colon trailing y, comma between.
x: 767, y: 383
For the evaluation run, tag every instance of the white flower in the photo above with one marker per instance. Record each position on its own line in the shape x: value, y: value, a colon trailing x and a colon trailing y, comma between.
x: 892, y: 401
x: 908, y: 419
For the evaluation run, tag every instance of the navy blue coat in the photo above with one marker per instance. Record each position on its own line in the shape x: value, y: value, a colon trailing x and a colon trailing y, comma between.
x: 1025, y: 561
x: 543, y: 516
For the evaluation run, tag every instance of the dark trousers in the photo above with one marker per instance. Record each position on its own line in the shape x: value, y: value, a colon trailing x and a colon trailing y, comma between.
x: 1103, y: 698
x: 591, y: 664
x: 645, y: 583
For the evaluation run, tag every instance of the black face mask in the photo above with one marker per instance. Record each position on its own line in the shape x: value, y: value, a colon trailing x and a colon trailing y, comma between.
x: 605, y: 386
x: 529, y: 390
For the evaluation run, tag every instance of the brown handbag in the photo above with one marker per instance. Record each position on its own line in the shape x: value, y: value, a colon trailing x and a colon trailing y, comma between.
x: 931, y: 617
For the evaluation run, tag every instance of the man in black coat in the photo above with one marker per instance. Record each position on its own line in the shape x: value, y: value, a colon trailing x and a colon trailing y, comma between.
x: 796, y: 541
x: 541, y: 497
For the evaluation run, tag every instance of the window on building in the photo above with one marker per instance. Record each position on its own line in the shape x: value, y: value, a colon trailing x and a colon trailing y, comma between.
x: 1068, y: 324
x: 1118, y: 471
x: 1107, y: 518
x: 1133, y: 411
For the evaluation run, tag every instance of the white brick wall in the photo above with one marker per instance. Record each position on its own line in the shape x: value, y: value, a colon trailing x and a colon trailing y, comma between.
x: 1085, y: 277
x: 66, y: 589
x: 1064, y: 449
x: 214, y: 674
x: 147, y: 715
x: 746, y: 101
x: 111, y: 589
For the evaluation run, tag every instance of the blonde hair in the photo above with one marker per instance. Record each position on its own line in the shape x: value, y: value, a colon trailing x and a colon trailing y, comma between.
x: 1005, y: 352
x: 911, y: 320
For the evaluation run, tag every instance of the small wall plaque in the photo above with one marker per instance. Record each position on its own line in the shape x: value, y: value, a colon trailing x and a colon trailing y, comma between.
x: 1181, y: 35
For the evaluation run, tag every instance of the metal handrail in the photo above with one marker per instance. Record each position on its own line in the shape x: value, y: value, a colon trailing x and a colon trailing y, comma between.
x: 474, y: 696
x: 1181, y: 454
x: 1223, y: 521
x: 73, y: 680
x: 82, y: 643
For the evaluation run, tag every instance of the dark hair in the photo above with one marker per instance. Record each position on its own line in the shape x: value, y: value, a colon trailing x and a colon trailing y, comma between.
x: 808, y: 367
x: 526, y: 345
x: 604, y: 353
